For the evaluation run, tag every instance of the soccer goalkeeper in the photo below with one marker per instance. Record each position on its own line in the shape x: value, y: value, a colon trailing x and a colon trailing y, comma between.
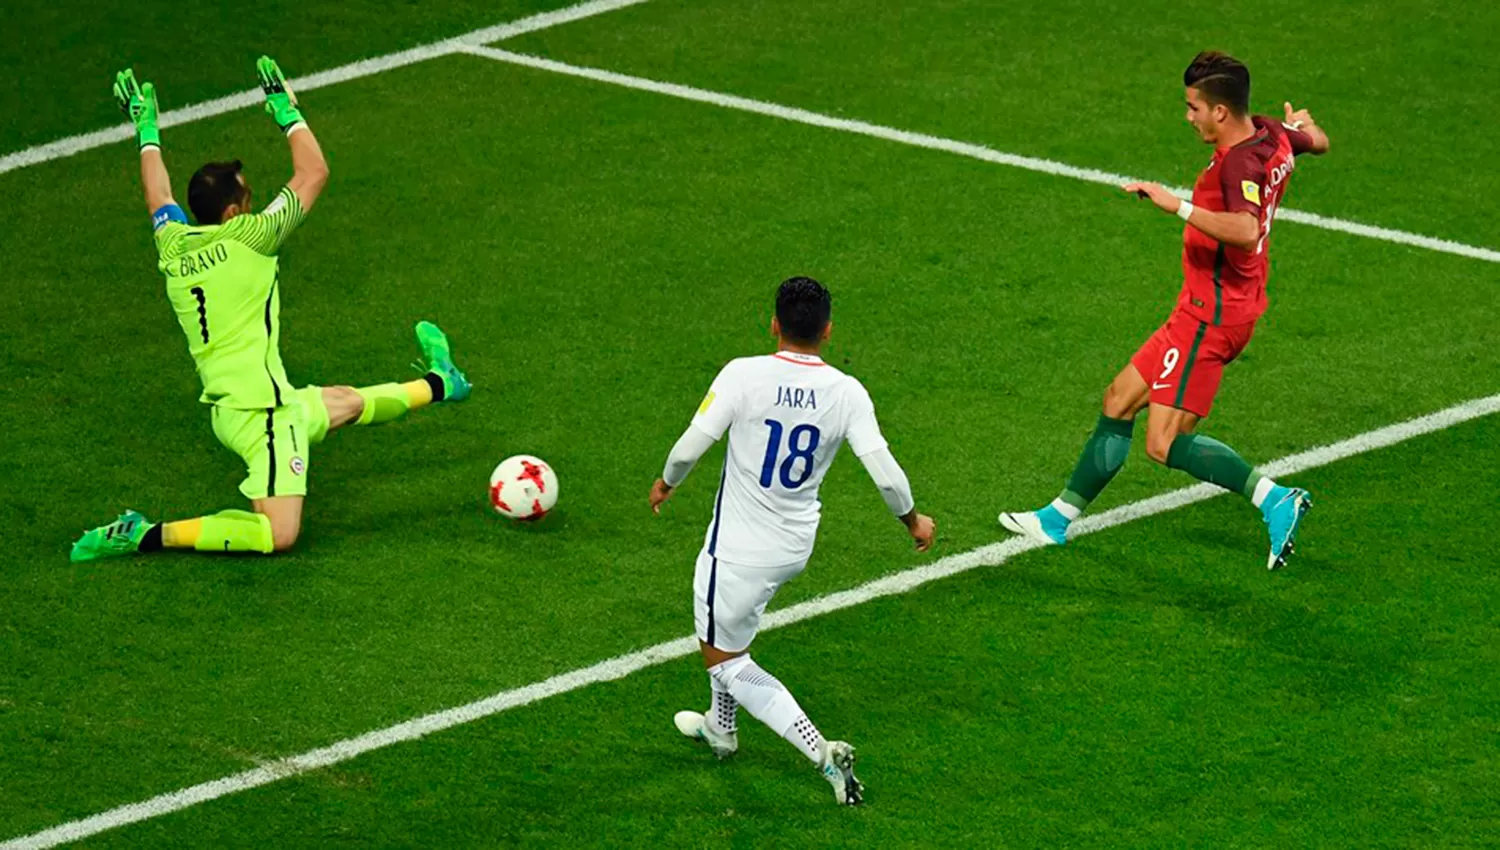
x: 222, y: 282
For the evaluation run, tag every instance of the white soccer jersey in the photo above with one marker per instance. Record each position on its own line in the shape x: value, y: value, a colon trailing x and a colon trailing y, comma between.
x: 787, y: 414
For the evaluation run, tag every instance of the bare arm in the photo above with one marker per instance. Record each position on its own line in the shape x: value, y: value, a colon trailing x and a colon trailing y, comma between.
x: 1301, y: 121
x: 1237, y: 229
x: 155, y: 180
x: 309, y: 168
x: 138, y: 102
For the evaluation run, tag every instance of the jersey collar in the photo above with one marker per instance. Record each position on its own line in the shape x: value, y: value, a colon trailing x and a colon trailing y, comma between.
x: 1261, y: 134
x: 799, y: 358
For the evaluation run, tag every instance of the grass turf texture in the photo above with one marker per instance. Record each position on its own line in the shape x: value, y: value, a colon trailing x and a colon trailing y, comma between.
x: 596, y: 254
x: 1061, y: 80
x: 1139, y: 688
x: 59, y: 84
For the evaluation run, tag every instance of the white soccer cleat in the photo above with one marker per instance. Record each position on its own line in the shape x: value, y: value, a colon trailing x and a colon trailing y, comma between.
x: 1046, y: 526
x: 838, y: 769
x: 694, y: 725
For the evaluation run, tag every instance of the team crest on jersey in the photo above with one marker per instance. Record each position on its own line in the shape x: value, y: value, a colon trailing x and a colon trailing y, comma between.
x: 1251, y: 190
x: 297, y: 465
x: 708, y: 401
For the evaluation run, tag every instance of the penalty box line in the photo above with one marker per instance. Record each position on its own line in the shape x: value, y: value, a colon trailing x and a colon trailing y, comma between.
x: 77, y: 144
x: 973, y: 151
x: 621, y: 666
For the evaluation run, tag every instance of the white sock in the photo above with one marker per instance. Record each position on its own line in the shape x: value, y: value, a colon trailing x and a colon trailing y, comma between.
x: 722, y: 709
x: 771, y: 703
x: 1263, y: 488
x: 1069, y: 512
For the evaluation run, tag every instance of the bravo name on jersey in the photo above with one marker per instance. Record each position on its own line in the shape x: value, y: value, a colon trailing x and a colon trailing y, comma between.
x: 222, y: 282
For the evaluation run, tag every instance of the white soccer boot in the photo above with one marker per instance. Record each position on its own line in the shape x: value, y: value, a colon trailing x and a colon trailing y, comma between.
x: 838, y: 769
x: 695, y: 726
x: 1047, y: 526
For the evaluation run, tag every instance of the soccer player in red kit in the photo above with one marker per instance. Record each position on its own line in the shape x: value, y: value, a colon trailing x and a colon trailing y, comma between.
x: 1176, y: 374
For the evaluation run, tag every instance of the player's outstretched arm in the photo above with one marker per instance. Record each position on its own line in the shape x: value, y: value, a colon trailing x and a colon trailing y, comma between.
x: 138, y: 102
x: 869, y: 445
x: 309, y: 168
x: 895, y: 489
x: 1301, y: 121
x: 1238, y: 229
x: 685, y: 455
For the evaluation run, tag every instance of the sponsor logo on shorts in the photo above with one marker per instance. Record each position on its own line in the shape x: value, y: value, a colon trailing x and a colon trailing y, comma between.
x: 1160, y: 386
x: 298, y: 467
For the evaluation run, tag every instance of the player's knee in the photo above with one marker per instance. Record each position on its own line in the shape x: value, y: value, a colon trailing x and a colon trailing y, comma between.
x: 1118, y: 404
x: 347, y: 405
x: 1158, y: 446
x: 284, y: 536
x: 1111, y: 403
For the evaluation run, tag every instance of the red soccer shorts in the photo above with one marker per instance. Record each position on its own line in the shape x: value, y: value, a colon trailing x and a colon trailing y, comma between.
x: 1184, y: 361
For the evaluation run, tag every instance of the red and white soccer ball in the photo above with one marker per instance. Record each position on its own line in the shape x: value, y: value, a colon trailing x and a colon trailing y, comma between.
x: 523, y: 488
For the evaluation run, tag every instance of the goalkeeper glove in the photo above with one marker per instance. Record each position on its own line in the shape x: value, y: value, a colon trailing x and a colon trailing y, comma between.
x: 281, y: 101
x: 138, y: 102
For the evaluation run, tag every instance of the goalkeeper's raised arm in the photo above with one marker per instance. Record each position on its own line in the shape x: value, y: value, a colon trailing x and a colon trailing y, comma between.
x: 309, y: 168
x: 138, y: 102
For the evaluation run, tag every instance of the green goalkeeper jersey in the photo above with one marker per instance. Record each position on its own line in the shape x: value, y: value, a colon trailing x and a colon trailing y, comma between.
x: 222, y: 282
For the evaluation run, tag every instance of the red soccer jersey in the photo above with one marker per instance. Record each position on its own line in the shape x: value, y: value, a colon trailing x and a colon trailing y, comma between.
x: 1224, y: 285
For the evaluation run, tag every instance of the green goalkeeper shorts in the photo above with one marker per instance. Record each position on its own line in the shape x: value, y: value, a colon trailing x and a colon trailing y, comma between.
x: 274, y: 442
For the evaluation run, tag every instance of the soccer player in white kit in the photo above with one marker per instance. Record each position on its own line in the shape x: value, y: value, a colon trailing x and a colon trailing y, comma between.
x: 786, y: 414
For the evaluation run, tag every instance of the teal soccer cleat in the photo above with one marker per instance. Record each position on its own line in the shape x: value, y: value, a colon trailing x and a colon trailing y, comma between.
x: 1283, y: 510
x: 439, y: 359
x: 1046, y: 526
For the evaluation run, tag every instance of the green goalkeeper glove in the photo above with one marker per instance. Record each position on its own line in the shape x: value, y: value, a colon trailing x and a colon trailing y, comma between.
x: 281, y: 101
x: 138, y: 102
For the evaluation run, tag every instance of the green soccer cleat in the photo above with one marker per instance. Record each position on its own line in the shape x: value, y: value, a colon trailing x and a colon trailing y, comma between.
x: 121, y: 537
x: 439, y: 357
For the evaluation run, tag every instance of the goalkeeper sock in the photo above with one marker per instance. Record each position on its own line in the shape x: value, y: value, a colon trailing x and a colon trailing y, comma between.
x: 235, y: 531
x: 387, y: 402
x: 225, y: 531
x: 1209, y: 460
x: 1103, y: 456
x: 151, y: 541
x: 182, y: 534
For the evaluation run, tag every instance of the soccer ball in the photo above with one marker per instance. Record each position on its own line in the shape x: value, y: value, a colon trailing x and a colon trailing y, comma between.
x: 523, y: 488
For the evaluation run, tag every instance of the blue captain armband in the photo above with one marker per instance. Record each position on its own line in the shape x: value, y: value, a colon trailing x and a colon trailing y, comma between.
x: 168, y: 212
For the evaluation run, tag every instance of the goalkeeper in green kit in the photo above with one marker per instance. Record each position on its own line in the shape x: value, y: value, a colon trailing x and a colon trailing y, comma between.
x: 222, y: 281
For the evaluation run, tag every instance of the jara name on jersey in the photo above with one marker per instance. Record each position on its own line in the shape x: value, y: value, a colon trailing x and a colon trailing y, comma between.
x: 796, y: 398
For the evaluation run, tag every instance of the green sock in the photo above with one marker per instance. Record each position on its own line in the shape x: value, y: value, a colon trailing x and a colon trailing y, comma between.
x: 235, y: 531
x: 383, y: 403
x: 1102, y: 457
x: 1209, y: 460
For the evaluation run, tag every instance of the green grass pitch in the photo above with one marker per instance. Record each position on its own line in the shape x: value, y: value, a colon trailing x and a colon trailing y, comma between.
x: 596, y: 254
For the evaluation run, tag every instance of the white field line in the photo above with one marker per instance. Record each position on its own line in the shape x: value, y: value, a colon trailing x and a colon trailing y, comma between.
x: 353, y: 71
x: 624, y: 665
x: 922, y: 140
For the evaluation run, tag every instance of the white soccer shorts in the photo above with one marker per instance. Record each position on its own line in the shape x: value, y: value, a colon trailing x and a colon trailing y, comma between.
x: 729, y: 599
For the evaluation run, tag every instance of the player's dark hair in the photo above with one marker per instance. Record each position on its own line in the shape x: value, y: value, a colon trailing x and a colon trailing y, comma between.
x: 803, y: 307
x: 213, y: 188
x: 1220, y: 78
